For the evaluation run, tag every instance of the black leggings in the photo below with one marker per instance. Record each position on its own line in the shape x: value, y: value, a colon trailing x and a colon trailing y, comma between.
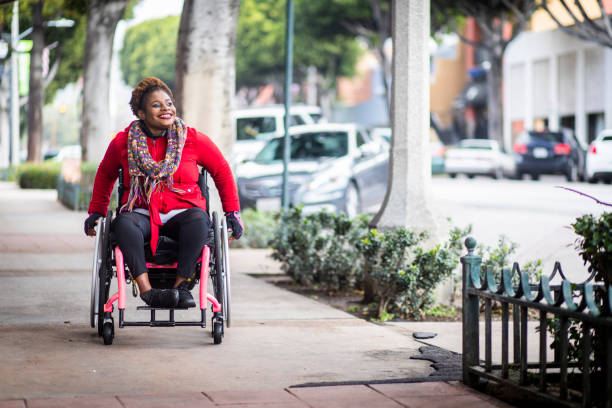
x: 190, y: 228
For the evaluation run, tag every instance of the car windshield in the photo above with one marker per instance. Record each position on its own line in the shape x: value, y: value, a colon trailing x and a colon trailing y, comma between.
x: 552, y: 137
x: 307, y: 146
x: 249, y: 128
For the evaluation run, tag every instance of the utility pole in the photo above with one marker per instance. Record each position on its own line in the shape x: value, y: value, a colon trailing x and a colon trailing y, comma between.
x: 14, y: 155
x: 288, y: 81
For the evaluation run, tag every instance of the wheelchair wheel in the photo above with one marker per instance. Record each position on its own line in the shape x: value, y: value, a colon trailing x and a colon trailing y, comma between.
x: 104, y: 272
x: 217, y: 332
x: 226, y: 275
x: 108, y: 333
x: 217, y: 275
x: 97, y: 261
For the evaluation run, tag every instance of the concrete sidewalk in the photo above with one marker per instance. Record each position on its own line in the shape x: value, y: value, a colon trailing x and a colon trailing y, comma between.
x: 49, y: 356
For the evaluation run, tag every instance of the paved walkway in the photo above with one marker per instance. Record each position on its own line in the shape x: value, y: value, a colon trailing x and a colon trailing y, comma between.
x: 50, y: 357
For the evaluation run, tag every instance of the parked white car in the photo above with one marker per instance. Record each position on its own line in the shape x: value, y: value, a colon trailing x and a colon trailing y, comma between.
x: 334, y: 166
x: 599, y: 158
x: 478, y: 157
x: 255, y: 126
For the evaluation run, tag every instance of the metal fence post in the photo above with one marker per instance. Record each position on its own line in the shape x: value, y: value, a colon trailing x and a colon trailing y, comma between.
x: 471, y: 310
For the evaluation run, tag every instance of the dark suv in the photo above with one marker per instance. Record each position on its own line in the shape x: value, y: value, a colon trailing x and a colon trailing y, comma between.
x: 548, y: 152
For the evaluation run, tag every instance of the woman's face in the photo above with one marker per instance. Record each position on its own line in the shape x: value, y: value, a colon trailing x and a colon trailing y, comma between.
x: 159, y: 111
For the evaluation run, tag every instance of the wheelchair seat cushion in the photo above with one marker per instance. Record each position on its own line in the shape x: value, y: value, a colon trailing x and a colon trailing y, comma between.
x: 166, y: 253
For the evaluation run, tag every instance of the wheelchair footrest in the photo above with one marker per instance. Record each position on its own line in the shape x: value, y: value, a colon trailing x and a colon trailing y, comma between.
x: 153, y: 322
x: 161, y: 308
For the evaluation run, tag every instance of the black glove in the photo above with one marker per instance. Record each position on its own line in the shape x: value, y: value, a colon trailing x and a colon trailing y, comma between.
x: 234, y: 223
x: 91, y: 221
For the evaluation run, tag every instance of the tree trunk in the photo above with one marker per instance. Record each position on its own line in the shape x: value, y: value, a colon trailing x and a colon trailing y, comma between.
x: 36, y: 94
x: 205, y: 68
x: 5, y: 131
x: 494, y: 100
x: 407, y: 202
x: 102, y: 19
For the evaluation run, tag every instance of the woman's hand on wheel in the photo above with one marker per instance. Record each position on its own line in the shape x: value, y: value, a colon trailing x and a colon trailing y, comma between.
x: 90, y: 224
x: 234, y: 224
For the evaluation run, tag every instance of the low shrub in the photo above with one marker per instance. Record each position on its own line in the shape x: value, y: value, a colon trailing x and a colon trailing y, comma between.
x: 39, y: 175
x: 319, y: 249
x: 403, y: 273
x: 595, y: 244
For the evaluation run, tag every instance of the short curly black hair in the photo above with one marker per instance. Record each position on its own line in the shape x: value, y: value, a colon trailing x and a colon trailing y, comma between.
x: 145, y: 87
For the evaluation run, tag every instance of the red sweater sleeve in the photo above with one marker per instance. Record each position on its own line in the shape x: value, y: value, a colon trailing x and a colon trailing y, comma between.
x: 210, y: 157
x: 106, y: 176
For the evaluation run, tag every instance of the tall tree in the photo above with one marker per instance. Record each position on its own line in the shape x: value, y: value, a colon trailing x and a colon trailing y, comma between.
x: 585, y: 27
x: 136, y: 59
x: 205, y: 67
x: 40, y: 20
x: 102, y: 19
x: 491, y: 16
x: 320, y: 41
x: 36, y: 94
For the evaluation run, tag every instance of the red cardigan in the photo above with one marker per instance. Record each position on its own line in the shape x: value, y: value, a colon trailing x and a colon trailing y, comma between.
x: 198, y: 150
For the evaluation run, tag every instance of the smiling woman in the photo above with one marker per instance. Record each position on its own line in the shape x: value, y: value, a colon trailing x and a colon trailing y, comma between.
x: 159, y: 156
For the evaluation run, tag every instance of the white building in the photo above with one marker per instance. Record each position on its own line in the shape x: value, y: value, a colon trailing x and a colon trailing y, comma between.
x: 553, y: 80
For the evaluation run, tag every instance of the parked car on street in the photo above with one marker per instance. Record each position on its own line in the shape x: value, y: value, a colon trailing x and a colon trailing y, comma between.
x: 255, y: 126
x: 478, y: 157
x: 337, y: 167
x: 599, y: 158
x: 547, y: 152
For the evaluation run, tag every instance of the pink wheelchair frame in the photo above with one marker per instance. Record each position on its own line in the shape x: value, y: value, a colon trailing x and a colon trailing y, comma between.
x: 101, y: 307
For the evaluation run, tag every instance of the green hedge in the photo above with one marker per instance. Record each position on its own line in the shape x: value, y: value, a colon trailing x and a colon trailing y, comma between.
x: 39, y: 175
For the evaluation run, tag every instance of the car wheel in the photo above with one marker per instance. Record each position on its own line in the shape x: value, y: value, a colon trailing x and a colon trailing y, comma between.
x: 592, y: 180
x: 352, y: 201
x: 470, y: 176
x: 452, y: 175
x: 498, y: 174
x: 535, y: 176
x: 572, y: 173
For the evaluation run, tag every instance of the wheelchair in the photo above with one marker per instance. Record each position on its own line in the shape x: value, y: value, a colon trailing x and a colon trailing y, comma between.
x: 108, y: 263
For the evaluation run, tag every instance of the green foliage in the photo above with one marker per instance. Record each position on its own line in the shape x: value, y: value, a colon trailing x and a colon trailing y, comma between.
x: 320, y: 39
x: 498, y: 258
x: 403, y: 272
x: 38, y: 175
x: 318, y: 249
x: 149, y: 49
x: 441, y: 311
x: 259, y: 229
x: 595, y: 244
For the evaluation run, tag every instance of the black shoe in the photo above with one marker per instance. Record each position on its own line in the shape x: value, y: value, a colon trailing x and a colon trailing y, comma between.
x: 166, y: 298
x: 185, y: 298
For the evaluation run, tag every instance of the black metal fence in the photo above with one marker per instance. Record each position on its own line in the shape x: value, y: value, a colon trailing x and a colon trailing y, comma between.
x: 577, y: 318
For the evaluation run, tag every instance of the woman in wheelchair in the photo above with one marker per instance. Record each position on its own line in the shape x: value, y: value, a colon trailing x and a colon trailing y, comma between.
x: 159, y: 156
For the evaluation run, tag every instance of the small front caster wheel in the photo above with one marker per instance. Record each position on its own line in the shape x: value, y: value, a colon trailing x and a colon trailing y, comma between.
x: 108, y: 333
x: 218, y: 332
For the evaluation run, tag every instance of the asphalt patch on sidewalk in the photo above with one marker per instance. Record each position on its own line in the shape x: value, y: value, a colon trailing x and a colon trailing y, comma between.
x: 447, y: 365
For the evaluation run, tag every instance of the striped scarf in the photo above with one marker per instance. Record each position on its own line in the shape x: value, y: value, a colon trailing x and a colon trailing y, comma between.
x: 147, y: 175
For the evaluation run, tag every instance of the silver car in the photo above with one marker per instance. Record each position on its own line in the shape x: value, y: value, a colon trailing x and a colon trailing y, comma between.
x: 337, y: 167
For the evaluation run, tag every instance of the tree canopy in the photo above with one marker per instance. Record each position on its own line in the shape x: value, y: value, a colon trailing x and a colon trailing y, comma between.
x: 320, y: 39
x: 149, y: 48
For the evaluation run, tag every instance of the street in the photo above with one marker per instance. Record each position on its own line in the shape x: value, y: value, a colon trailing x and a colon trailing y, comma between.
x: 534, y: 214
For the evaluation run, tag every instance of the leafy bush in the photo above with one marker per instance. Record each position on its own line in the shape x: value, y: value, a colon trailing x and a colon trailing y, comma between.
x: 404, y: 274
x: 595, y: 244
x: 259, y: 229
x: 39, y: 175
x: 319, y: 248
